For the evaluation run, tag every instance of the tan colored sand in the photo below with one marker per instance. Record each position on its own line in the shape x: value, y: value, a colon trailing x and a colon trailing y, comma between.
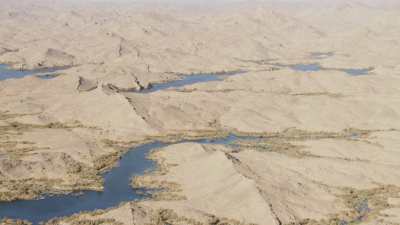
x: 51, y: 129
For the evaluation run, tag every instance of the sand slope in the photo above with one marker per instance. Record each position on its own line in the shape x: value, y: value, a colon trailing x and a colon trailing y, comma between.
x: 331, y: 137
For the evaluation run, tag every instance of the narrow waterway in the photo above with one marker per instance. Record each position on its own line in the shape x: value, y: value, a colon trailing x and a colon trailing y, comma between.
x: 191, y: 79
x: 117, y: 187
x: 314, y: 67
x: 307, y: 67
x: 9, y: 73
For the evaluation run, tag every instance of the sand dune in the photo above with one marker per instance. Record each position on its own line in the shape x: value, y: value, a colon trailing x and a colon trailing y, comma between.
x: 331, y: 138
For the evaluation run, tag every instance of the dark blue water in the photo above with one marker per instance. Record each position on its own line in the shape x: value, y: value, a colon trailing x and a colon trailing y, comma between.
x: 8, y: 73
x: 117, y: 188
x: 189, y: 80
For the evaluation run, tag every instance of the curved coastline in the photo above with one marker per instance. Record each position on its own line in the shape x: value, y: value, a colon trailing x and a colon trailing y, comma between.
x: 117, y: 188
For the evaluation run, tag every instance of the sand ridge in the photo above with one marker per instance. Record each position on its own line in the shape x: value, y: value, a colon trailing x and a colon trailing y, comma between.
x: 57, y: 135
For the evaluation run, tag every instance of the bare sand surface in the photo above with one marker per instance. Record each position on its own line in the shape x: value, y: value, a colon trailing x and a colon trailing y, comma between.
x: 331, y: 148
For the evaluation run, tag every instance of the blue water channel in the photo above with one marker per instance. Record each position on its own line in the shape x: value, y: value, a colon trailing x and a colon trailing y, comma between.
x: 9, y: 73
x: 117, y: 188
x: 314, y: 67
x: 190, y: 79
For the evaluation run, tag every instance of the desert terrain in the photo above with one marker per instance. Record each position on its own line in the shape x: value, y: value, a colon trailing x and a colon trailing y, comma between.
x: 312, y: 88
